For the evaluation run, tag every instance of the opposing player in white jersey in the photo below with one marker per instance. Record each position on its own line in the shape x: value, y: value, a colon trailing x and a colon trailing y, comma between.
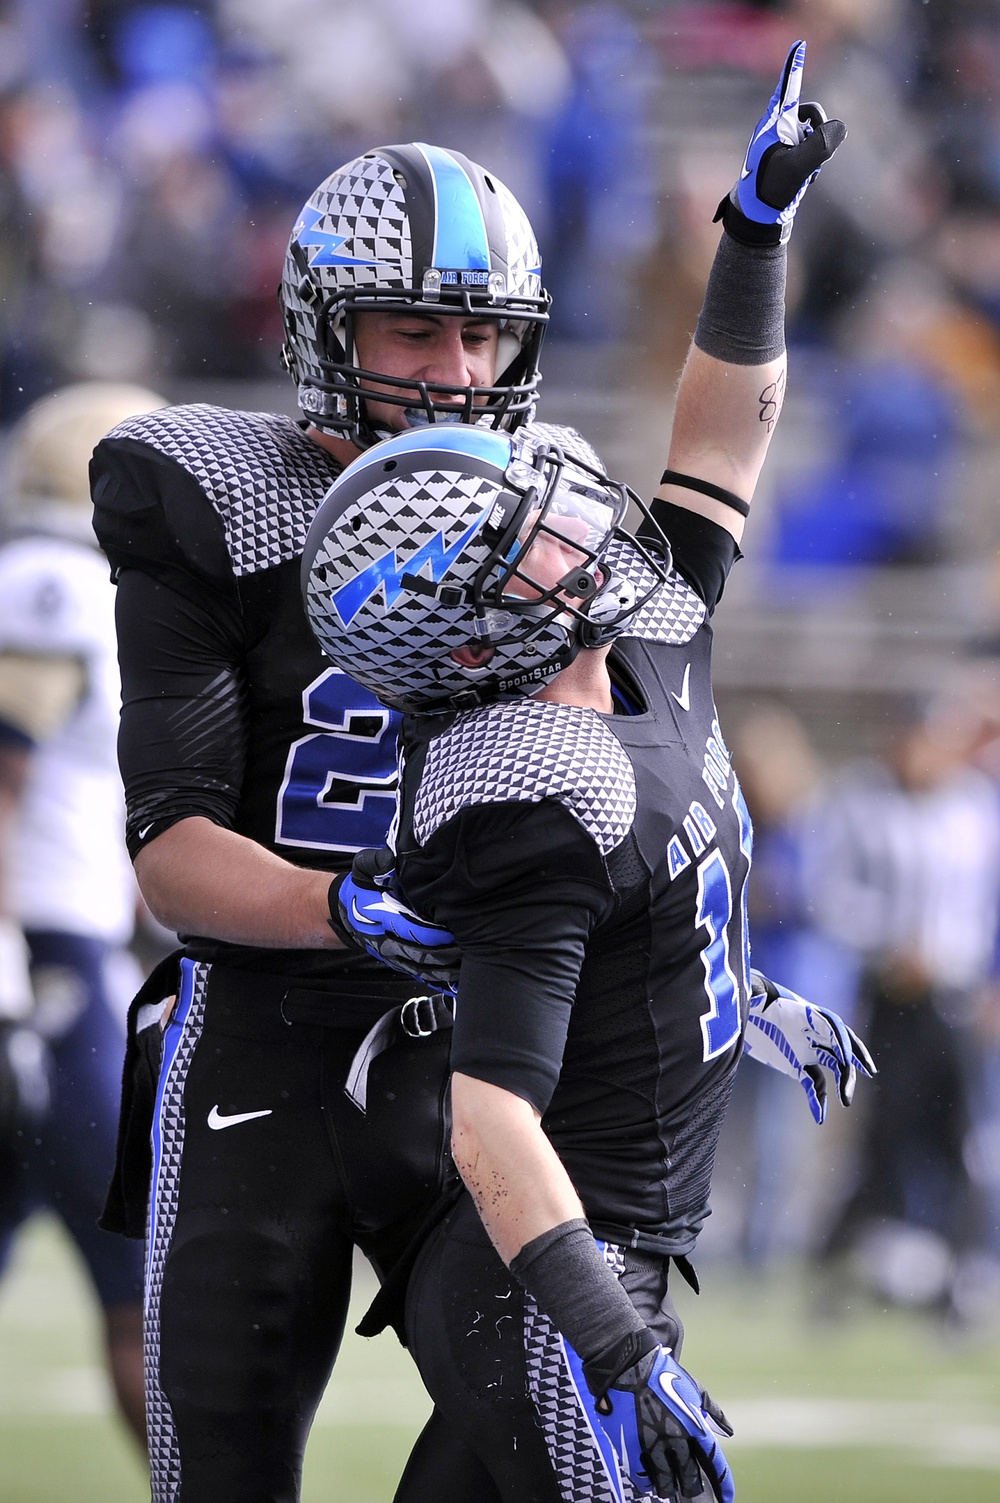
x: 67, y: 893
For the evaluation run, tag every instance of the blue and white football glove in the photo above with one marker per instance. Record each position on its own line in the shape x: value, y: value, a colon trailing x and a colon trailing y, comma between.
x: 789, y: 145
x: 802, y: 1040
x: 365, y: 911
x: 662, y: 1427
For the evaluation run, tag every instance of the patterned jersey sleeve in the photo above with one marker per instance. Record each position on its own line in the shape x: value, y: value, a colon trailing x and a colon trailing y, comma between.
x: 512, y: 819
x: 183, y: 736
x: 150, y: 513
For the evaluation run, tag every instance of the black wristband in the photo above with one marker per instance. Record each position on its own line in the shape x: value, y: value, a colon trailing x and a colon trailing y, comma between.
x: 340, y: 929
x: 602, y: 1370
x: 747, y: 231
x: 569, y: 1280
x: 691, y: 483
x: 742, y: 319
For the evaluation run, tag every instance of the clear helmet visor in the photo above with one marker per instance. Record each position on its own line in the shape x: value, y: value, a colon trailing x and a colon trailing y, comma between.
x: 559, y: 545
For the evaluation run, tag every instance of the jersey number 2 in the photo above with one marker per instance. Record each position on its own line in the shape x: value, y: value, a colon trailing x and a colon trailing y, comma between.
x: 339, y: 788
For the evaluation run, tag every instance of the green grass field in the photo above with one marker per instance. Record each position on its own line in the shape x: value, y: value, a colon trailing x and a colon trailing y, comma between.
x: 875, y: 1407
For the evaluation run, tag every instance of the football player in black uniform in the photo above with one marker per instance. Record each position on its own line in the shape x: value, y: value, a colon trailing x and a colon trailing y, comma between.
x: 570, y: 812
x: 411, y: 294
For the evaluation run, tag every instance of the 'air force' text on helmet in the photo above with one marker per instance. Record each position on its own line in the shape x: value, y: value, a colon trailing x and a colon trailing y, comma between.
x: 418, y: 228
x: 452, y: 540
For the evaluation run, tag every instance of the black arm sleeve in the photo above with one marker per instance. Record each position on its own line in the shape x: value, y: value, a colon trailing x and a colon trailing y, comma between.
x: 182, y: 741
x: 703, y: 551
x: 521, y: 887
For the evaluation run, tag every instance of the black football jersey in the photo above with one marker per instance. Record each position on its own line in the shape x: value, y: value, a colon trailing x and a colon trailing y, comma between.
x: 230, y: 709
x: 593, y: 869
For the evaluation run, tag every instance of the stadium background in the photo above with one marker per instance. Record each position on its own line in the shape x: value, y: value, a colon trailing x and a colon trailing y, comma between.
x: 152, y: 159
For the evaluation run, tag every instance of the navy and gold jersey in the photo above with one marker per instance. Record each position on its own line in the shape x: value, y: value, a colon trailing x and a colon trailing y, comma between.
x: 230, y: 709
x: 593, y: 869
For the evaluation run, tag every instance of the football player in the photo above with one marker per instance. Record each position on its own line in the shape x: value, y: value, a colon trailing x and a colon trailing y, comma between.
x: 570, y: 813
x: 67, y: 894
x: 254, y: 770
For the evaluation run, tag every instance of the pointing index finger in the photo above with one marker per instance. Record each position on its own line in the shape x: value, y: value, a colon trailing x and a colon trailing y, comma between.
x: 791, y: 80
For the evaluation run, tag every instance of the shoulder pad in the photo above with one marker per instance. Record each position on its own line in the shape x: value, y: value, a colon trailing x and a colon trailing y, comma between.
x: 523, y: 752
x: 572, y: 443
x: 675, y: 614
x: 261, y: 473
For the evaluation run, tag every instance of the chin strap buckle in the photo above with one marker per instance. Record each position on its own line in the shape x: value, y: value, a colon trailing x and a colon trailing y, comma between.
x: 447, y: 595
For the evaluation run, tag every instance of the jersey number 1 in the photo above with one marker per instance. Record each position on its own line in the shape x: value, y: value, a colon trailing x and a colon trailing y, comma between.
x: 339, y: 788
x: 720, y: 1025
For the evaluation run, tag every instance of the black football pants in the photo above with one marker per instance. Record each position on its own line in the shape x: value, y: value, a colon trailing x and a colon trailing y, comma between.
x: 264, y: 1176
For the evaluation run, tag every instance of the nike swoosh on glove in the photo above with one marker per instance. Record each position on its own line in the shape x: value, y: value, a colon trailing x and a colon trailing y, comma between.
x: 662, y: 1426
x: 789, y: 145
x: 366, y: 912
x: 801, y: 1039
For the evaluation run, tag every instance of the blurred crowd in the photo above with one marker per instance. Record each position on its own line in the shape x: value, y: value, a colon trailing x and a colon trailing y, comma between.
x: 875, y: 890
x: 152, y: 160
x: 152, y: 157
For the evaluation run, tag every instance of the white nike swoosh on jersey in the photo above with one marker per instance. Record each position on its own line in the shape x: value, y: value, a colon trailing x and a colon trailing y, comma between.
x: 144, y: 832
x: 216, y: 1120
x: 684, y: 697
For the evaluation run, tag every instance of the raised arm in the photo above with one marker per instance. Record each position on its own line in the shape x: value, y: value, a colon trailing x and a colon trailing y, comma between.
x: 733, y: 382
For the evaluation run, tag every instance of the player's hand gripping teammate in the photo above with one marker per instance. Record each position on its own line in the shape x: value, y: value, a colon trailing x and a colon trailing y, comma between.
x: 366, y: 910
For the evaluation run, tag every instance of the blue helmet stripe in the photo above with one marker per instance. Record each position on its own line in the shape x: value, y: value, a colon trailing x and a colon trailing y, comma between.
x: 460, y: 239
x: 460, y: 438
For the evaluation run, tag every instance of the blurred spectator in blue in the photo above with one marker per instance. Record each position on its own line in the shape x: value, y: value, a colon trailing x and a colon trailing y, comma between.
x: 180, y: 255
x: 881, y: 500
x: 957, y: 90
x: 896, y: 403
x: 910, y: 878
x: 983, y: 1145
x: 782, y: 778
x: 25, y: 366
x: 600, y: 178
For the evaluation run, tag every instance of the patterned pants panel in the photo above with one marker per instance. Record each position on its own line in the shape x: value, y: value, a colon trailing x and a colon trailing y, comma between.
x: 497, y: 1369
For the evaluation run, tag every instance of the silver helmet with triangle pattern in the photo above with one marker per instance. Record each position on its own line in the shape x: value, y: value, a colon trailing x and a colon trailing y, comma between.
x: 420, y: 229
x: 453, y: 565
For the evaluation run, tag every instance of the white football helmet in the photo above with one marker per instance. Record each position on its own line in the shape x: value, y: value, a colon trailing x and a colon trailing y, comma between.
x: 47, y: 483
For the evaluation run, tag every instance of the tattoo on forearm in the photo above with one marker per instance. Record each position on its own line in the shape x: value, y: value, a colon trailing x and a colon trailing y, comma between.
x: 770, y: 401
